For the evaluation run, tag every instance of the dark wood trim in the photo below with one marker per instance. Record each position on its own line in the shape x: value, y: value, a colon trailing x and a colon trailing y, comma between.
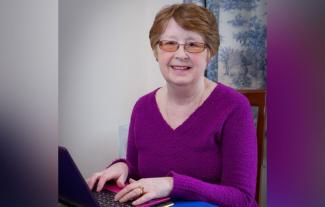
x: 258, y: 98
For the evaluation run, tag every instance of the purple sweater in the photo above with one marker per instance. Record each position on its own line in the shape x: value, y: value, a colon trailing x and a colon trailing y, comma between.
x: 212, y: 156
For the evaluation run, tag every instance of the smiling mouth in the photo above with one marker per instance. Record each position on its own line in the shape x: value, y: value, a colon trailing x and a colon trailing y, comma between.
x: 177, y: 67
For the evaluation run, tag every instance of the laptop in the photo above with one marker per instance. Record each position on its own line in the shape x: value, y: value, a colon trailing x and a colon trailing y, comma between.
x: 74, y: 191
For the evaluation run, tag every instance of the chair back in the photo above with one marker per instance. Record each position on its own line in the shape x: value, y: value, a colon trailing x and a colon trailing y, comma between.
x: 257, y: 99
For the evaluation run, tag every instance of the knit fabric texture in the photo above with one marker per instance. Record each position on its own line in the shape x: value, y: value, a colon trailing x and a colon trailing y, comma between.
x: 212, y: 155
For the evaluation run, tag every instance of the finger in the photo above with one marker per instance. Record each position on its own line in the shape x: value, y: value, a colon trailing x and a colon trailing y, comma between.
x: 121, y: 181
x: 131, y: 180
x: 145, y: 198
x: 92, y: 180
x: 131, y: 195
x: 102, y: 180
x: 124, y: 191
x: 90, y: 183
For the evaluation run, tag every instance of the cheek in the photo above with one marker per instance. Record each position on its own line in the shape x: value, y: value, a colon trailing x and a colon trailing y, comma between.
x: 200, y: 62
x: 163, y: 65
x: 164, y: 60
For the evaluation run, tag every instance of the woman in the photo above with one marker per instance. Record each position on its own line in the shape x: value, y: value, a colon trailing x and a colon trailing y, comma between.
x: 192, y: 138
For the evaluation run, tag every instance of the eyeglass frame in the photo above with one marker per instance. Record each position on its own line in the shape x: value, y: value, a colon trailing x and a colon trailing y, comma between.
x: 184, y: 45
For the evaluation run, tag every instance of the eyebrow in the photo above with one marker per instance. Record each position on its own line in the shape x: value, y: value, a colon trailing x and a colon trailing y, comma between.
x: 169, y: 37
x: 187, y: 39
x: 191, y: 38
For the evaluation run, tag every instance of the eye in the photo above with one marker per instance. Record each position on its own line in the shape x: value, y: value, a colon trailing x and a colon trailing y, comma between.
x: 194, y: 44
x: 170, y: 43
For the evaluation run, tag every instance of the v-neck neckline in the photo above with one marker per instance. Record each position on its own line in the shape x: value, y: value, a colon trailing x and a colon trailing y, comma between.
x: 190, y: 118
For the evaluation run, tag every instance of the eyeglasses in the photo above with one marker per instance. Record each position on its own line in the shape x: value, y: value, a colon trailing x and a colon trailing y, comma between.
x: 172, y: 46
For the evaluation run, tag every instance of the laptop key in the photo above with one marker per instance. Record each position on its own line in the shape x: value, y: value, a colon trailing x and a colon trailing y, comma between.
x: 106, y: 199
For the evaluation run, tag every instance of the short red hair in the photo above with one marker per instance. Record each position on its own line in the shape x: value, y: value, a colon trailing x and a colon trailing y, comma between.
x: 190, y: 17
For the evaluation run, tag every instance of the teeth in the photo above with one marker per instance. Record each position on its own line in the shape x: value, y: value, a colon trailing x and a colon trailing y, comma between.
x: 180, y: 67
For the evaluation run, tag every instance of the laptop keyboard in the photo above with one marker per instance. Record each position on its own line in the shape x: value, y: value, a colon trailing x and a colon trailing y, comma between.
x: 106, y: 199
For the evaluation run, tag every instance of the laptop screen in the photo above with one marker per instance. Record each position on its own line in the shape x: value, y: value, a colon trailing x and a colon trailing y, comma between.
x: 72, y: 187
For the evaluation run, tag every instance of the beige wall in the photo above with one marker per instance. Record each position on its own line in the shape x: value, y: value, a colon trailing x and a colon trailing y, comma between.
x: 105, y: 64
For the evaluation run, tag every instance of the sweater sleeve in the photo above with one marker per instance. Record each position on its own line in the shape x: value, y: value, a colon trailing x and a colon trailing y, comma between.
x: 239, y: 161
x: 131, y: 153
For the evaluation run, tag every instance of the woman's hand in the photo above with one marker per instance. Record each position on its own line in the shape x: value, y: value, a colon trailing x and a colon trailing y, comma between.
x: 145, y: 190
x: 118, y: 171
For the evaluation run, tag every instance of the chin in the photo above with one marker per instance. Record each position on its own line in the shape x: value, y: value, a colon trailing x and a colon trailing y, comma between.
x: 179, y: 81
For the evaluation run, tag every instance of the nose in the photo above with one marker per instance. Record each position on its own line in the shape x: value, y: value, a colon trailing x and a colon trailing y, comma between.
x: 180, y: 53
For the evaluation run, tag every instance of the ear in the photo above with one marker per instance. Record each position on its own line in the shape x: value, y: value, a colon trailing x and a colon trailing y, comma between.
x: 155, y: 53
x: 209, y: 56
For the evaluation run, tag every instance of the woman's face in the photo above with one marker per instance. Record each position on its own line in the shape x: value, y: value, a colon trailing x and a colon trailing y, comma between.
x: 181, y: 67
